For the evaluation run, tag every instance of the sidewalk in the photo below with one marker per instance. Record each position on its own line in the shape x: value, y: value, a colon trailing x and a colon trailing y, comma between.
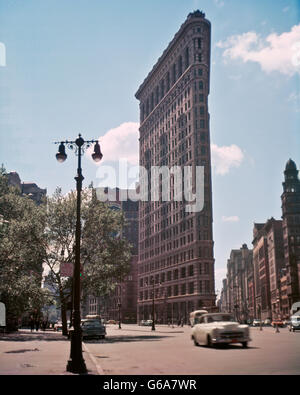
x: 38, y: 353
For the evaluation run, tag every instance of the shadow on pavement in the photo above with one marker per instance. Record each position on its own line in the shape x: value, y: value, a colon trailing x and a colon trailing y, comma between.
x: 126, y: 339
x: 234, y: 347
x: 25, y: 336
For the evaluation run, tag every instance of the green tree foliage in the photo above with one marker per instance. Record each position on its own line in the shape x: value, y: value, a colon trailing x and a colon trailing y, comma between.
x: 21, y: 229
x: 105, y: 256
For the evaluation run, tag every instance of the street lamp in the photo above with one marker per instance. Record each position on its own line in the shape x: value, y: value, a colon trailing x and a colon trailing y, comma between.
x: 119, y: 306
x: 76, y: 362
x: 153, y: 307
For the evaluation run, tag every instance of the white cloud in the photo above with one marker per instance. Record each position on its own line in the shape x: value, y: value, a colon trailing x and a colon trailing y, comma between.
x: 278, y: 52
x: 219, y: 3
x: 121, y: 142
x: 233, y: 218
x: 294, y: 99
x: 226, y: 157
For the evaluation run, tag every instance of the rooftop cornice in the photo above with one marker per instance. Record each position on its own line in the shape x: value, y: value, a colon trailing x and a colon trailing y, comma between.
x: 191, y: 18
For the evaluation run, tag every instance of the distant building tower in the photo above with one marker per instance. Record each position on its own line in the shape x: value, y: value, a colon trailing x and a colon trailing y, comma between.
x: 291, y: 230
x: 176, y: 259
x: 122, y: 302
x: 29, y: 189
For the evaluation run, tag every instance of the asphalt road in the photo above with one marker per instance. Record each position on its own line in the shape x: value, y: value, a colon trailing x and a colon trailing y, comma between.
x: 135, y: 350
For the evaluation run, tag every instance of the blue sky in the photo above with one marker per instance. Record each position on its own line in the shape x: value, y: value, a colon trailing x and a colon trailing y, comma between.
x: 74, y: 66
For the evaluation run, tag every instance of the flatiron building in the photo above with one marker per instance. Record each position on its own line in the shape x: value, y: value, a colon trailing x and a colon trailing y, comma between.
x: 176, y: 259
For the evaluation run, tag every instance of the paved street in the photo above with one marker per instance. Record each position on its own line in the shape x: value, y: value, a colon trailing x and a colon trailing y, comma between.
x: 136, y: 350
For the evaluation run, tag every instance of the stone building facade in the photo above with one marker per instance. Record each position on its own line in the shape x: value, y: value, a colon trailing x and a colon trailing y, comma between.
x: 176, y: 259
x: 29, y: 189
x: 236, y: 294
x: 273, y: 275
x: 122, y: 302
x: 291, y: 230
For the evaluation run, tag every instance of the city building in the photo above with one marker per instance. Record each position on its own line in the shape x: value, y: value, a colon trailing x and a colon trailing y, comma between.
x: 235, y: 295
x: 290, y: 199
x: 274, y: 237
x: 122, y: 302
x: 176, y: 259
x: 29, y: 189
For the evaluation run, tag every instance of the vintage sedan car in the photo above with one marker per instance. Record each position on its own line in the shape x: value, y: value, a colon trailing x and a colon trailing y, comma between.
x: 93, y: 328
x: 146, y: 322
x: 256, y: 322
x: 294, y: 323
x: 219, y: 328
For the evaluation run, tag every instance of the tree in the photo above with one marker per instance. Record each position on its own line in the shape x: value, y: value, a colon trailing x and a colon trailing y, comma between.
x: 22, y: 228
x: 105, y: 256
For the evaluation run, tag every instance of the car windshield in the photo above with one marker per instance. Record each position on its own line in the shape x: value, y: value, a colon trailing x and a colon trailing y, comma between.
x: 219, y: 318
x: 94, y: 324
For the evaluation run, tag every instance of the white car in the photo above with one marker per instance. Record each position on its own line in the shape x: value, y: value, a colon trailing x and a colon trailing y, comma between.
x: 256, y: 322
x: 219, y: 328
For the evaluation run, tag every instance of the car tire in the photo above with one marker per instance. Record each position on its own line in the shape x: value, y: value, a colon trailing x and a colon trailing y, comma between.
x: 209, y: 343
x: 195, y: 341
x: 245, y: 344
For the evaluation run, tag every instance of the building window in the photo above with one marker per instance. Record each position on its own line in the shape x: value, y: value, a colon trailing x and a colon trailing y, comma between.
x: 183, y: 289
x: 191, y: 288
x: 176, y: 274
x: 179, y: 66
x: 200, y: 287
x: 183, y: 272
x: 187, y: 58
x: 169, y: 276
x: 174, y: 73
x: 207, y: 287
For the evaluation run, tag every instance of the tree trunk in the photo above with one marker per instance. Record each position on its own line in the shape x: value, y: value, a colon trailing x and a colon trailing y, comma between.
x: 63, y: 313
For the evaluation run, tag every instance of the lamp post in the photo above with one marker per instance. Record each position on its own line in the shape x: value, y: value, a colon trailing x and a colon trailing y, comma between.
x: 76, y: 362
x: 153, y: 307
x: 119, y: 307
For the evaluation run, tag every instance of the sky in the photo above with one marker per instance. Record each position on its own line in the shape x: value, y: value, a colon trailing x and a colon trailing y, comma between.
x: 70, y: 67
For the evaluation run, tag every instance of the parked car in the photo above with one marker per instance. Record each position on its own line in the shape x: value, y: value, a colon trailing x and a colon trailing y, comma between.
x: 111, y: 322
x: 256, y: 322
x: 267, y: 322
x: 93, y: 328
x: 277, y: 322
x: 219, y: 328
x: 294, y: 323
x: 58, y: 326
x: 146, y: 322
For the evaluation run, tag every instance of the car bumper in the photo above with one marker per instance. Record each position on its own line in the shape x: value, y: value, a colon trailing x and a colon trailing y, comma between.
x: 222, y: 340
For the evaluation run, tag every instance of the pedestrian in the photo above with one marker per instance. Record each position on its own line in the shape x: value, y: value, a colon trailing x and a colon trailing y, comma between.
x: 31, y: 324
x: 44, y: 325
x: 182, y: 322
x: 37, y: 324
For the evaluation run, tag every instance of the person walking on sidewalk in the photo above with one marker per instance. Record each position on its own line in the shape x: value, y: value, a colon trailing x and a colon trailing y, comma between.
x: 31, y: 324
x: 37, y: 324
